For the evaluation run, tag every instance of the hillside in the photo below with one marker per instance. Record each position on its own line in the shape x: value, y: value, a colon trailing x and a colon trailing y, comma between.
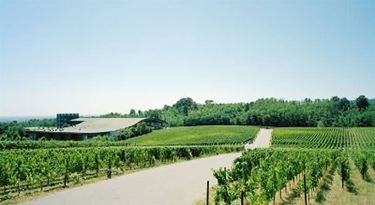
x: 199, y: 135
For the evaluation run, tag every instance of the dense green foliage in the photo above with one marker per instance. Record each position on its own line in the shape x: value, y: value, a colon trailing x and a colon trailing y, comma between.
x: 258, y: 175
x: 130, y: 132
x: 364, y: 160
x: 336, y: 112
x: 14, y: 130
x: 352, y: 138
x: 22, y: 170
x: 101, y: 141
x: 39, y: 123
x: 198, y: 135
x: 11, y: 131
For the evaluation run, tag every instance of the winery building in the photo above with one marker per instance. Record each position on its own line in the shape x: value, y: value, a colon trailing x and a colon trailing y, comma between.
x: 71, y: 126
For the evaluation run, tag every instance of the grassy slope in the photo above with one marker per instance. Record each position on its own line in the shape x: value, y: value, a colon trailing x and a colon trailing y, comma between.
x: 198, y: 135
x: 336, y: 195
x: 365, y: 195
x: 358, y: 137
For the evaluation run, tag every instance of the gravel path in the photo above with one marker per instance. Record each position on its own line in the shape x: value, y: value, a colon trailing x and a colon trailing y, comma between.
x: 176, y: 184
x: 263, y: 139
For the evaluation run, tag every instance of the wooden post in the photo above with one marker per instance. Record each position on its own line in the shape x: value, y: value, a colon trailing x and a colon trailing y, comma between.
x: 208, y: 193
x: 66, y: 174
x: 304, y: 187
x: 242, y: 198
x: 342, y: 175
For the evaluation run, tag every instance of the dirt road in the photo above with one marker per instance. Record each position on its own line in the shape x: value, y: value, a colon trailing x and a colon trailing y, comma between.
x: 180, y: 183
x: 176, y: 184
x: 263, y: 139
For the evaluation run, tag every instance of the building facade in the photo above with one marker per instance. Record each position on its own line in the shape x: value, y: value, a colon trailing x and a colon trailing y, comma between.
x: 62, y: 119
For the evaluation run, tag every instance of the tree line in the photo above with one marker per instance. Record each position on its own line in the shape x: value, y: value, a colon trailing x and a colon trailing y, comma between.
x: 15, y: 130
x: 333, y: 112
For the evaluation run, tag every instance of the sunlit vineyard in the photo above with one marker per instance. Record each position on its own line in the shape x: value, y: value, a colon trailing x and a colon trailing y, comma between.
x: 299, y: 166
x: 22, y: 171
x: 197, y: 135
x: 264, y: 175
x: 351, y: 138
x: 258, y: 175
x: 49, y: 144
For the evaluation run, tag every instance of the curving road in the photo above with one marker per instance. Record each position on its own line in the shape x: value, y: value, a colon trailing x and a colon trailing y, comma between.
x: 263, y: 139
x: 181, y: 183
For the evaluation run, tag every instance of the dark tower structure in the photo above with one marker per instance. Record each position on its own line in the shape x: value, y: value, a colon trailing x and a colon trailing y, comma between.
x: 64, y: 118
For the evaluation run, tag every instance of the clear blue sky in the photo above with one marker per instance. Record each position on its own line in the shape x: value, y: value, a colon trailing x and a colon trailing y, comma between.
x: 95, y: 57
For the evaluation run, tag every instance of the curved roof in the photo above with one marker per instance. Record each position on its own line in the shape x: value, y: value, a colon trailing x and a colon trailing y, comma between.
x: 95, y: 125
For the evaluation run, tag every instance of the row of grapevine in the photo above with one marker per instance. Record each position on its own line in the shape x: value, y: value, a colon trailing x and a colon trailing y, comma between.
x: 259, y: 175
x: 364, y: 160
x: 22, y: 170
x: 328, y: 138
x: 34, y: 144
x: 52, y: 144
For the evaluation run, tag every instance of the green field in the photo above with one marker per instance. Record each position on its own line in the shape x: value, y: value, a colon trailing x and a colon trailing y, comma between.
x: 351, y: 138
x: 199, y: 135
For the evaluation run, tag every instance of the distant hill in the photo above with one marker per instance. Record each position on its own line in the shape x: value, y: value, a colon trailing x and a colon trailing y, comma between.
x: 372, y: 101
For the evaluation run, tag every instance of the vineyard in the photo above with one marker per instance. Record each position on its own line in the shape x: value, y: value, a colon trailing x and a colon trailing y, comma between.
x: 181, y: 136
x: 332, y: 138
x: 198, y: 135
x: 262, y: 176
x: 25, y: 171
x: 49, y: 144
x: 300, y: 166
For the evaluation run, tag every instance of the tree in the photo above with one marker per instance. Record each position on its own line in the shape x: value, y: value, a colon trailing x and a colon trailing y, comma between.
x: 132, y: 112
x: 185, y: 105
x: 320, y: 124
x: 343, y: 104
x: 153, y: 114
x: 12, y: 131
x: 140, y: 113
x: 365, y: 119
x: 307, y: 100
x: 335, y: 99
x: 362, y: 102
